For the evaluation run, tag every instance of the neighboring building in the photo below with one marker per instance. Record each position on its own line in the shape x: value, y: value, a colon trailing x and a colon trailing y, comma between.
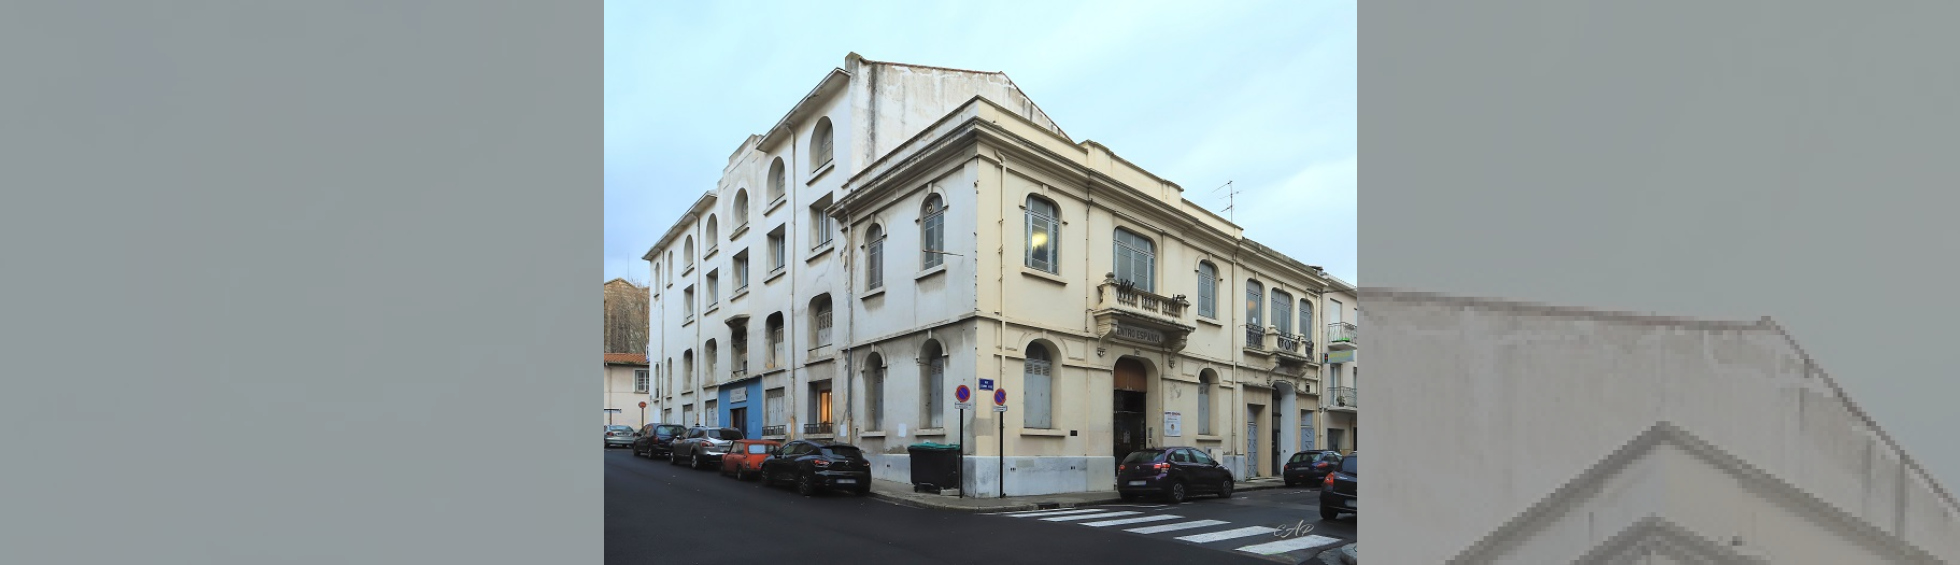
x: 626, y: 317
x: 906, y: 229
x: 1630, y: 439
x: 627, y: 383
x: 1340, y: 408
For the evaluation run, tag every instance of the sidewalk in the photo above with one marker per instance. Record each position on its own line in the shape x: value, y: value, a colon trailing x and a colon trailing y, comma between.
x: 901, y: 494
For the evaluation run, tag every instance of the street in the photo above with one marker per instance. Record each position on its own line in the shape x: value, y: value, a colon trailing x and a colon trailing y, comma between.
x: 658, y: 513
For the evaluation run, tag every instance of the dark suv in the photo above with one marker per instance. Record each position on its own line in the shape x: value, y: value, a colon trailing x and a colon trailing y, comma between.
x: 702, y: 447
x: 816, y: 465
x: 1310, y: 467
x: 1174, y: 472
x: 657, y: 440
x: 1338, y: 491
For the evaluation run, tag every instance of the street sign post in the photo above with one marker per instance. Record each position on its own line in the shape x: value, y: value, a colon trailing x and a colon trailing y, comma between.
x: 963, y: 398
x: 1000, y: 417
x: 986, y: 384
x: 643, y: 413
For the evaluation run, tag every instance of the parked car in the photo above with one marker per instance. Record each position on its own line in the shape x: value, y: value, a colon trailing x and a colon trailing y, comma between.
x: 702, y: 447
x: 620, y: 436
x: 1173, y: 472
x: 817, y: 465
x: 1337, y: 491
x: 1310, y: 467
x: 744, y: 459
x: 657, y: 440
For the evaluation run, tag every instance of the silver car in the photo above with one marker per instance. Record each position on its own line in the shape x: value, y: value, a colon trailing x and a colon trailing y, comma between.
x: 703, y: 447
x: 620, y: 436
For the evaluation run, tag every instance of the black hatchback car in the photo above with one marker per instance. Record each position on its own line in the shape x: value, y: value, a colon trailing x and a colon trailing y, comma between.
x: 818, y: 465
x: 1310, y: 467
x: 1337, y: 491
x: 1174, y: 472
x: 657, y: 440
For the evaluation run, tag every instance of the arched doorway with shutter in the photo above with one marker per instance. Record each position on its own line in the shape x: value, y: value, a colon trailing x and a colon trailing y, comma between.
x: 1129, y: 425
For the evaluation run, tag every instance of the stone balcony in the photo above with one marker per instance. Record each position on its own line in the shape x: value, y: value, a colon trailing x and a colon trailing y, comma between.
x: 1131, y: 315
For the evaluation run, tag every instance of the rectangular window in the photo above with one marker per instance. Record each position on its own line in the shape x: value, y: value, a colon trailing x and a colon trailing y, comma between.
x: 1207, y: 290
x: 714, y: 417
x: 712, y: 284
x: 874, y: 401
x: 741, y: 271
x: 776, y: 250
x: 1204, y: 408
x: 640, y: 381
x: 935, y: 392
x: 1041, y: 235
x: 823, y: 324
x: 1136, y: 260
x: 875, y: 265
x: 820, y: 224
x: 772, y: 404
x: 688, y: 309
x: 775, y: 346
x: 932, y: 232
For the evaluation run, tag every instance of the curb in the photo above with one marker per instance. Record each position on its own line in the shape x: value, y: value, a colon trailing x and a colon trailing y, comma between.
x: 1032, y: 504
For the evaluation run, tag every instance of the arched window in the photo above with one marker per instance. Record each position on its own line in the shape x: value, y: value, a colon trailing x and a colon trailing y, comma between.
x: 778, y: 178
x: 1044, y: 227
x: 741, y: 210
x: 820, y: 144
x: 1038, y: 388
x: 1306, y: 320
x: 874, y: 257
x: 670, y: 271
x: 874, y: 388
x: 1206, y: 379
x: 689, y: 248
x: 709, y: 354
x: 1207, y: 289
x: 711, y: 232
x: 656, y: 274
x: 1255, y: 328
x: 1282, y: 311
x: 1136, y: 260
x: 773, y: 337
x: 932, y: 388
x: 670, y: 371
x: 687, y: 368
x: 932, y: 232
x: 820, y: 320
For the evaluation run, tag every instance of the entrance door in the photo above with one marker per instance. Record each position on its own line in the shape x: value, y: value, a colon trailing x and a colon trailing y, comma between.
x: 1334, y: 439
x: 1251, y: 447
x: 1127, y: 419
x: 738, y: 418
x: 1277, y: 426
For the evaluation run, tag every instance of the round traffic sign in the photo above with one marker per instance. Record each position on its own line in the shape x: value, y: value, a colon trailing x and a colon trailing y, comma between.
x: 643, y: 404
x: 1000, y: 397
x: 962, y: 393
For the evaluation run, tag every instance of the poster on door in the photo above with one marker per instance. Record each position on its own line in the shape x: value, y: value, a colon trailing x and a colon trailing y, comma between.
x: 1173, y: 424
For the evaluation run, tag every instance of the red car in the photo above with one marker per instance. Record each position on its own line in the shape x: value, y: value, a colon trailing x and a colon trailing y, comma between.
x: 744, y: 458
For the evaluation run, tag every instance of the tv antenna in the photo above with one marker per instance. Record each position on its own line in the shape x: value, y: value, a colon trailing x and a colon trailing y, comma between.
x: 1231, y: 200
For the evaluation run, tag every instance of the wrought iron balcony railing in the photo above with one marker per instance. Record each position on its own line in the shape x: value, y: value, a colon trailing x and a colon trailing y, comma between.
x: 1341, y: 332
x: 817, y: 428
x: 775, y: 430
x: 1342, y: 396
x: 1255, y: 337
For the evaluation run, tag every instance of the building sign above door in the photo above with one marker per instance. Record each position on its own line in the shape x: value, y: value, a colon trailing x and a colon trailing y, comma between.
x: 1142, y: 334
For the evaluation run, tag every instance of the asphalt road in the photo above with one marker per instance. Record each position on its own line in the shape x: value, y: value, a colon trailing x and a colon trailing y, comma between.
x: 662, y: 514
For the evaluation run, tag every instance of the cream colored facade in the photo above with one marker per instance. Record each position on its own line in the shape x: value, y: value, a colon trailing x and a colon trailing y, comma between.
x: 972, y: 242
x: 623, y: 374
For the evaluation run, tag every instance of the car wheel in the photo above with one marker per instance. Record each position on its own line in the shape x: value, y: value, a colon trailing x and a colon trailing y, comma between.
x: 673, y: 458
x: 694, y: 461
x: 1176, y: 493
x: 807, y: 486
x: 1225, y: 489
x: 1327, y: 513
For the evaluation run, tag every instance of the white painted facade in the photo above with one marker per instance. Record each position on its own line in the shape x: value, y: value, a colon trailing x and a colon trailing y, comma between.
x: 1629, y: 438
x: 974, y: 145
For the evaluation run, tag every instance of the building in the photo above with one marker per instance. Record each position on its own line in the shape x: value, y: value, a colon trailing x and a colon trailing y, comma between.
x: 1631, y: 439
x: 906, y: 230
x: 626, y: 317
x: 627, y: 379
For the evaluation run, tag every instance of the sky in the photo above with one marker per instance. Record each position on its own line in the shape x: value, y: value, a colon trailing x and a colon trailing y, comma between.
x: 1261, y: 94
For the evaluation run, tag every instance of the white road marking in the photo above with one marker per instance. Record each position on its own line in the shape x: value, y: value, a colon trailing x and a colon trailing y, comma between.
x: 1150, y: 518
x: 1228, y: 534
x: 1026, y: 514
x: 1090, y: 516
x: 1285, y: 545
x: 1176, y: 527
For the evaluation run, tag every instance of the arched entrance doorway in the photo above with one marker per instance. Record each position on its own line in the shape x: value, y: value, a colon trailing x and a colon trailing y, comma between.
x: 1132, y: 387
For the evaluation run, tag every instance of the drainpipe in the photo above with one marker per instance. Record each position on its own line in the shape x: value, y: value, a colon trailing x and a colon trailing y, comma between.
x: 1000, y: 356
x: 789, y: 199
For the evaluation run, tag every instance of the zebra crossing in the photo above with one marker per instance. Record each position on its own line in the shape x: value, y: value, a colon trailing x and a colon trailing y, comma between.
x: 1149, y: 520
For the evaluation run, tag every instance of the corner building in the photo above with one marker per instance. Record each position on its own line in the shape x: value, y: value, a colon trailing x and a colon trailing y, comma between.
x: 906, y: 229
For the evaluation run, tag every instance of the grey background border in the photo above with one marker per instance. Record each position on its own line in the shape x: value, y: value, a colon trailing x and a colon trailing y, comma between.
x: 300, y: 282
x: 1726, y: 160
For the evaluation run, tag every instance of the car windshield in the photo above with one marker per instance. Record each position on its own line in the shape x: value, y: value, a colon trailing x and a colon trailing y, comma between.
x: 620, y: 429
x: 1298, y: 457
x: 670, y: 430
x: 1145, y: 456
x: 758, y: 448
x: 728, y: 434
x: 843, y: 451
x: 1347, y: 465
